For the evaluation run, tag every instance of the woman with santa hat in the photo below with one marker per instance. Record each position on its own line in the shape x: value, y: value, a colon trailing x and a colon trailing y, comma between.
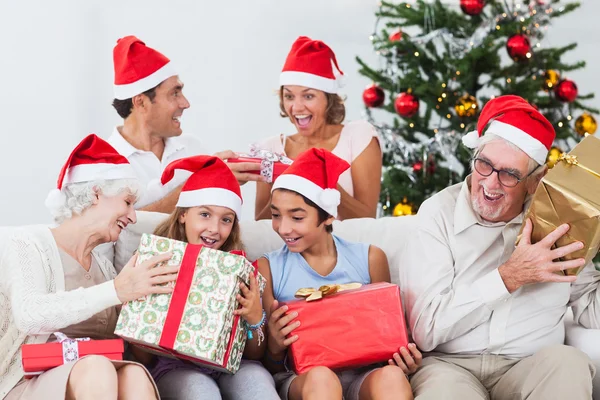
x: 55, y: 280
x: 308, y: 97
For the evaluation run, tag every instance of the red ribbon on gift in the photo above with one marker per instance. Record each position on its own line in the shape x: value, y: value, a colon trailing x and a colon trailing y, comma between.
x: 180, y: 295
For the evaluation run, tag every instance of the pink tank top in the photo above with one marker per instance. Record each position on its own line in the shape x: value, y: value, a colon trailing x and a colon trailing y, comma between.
x: 354, y: 139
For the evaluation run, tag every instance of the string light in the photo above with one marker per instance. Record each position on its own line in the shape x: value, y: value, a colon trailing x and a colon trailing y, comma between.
x: 560, y: 124
x: 448, y: 116
x: 528, y: 55
x: 416, y: 54
x: 508, y: 80
x: 439, y: 99
x: 457, y: 72
x: 444, y: 95
x: 412, y: 125
x: 435, y: 130
x: 569, y: 117
x: 497, y: 27
x: 443, y: 85
x: 462, y: 126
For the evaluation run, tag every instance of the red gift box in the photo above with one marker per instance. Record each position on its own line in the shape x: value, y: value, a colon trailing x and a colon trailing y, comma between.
x: 349, y: 329
x: 38, y: 358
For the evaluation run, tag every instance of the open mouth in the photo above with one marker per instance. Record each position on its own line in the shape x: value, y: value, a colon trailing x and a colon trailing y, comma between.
x: 208, y: 241
x: 303, y: 120
x: 292, y: 241
x: 177, y: 120
x: 491, y: 197
x: 121, y: 225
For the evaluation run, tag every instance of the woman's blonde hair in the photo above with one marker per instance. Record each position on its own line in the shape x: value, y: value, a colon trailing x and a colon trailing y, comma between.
x: 334, y: 114
x: 173, y: 229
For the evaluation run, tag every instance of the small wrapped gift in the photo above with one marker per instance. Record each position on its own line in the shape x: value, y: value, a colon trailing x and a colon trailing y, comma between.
x: 38, y: 358
x: 268, y: 164
x: 342, y: 326
x: 195, y: 322
x: 570, y: 194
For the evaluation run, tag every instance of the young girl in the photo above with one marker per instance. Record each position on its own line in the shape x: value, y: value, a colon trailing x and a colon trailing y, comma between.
x: 207, y: 213
x: 303, y: 207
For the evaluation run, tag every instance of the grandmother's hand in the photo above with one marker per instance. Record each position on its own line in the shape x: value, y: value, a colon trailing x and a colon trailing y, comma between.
x: 134, y: 282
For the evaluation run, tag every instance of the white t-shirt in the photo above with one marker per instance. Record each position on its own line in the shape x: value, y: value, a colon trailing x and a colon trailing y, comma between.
x: 149, y: 168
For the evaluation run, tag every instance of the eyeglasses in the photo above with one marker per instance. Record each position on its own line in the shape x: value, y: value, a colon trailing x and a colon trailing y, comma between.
x: 505, y: 177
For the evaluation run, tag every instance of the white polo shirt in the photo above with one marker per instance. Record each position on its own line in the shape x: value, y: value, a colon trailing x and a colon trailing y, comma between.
x: 149, y: 168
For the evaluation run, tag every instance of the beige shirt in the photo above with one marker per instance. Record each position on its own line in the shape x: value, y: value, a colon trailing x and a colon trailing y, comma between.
x: 455, y: 299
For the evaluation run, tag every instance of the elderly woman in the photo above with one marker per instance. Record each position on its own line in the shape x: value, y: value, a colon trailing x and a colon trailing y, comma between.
x: 308, y: 97
x: 53, y: 280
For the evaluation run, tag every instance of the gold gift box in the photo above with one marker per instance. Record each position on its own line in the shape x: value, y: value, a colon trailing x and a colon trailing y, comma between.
x: 570, y: 194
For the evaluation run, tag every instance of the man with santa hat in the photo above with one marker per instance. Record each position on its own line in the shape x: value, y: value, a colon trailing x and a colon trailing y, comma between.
x: 489, y: 313
x: 149, y: 97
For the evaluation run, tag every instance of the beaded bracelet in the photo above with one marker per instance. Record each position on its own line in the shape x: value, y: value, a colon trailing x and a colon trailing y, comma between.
x: 257, y: 327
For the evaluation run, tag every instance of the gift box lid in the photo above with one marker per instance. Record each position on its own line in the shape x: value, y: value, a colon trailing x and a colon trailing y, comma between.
x: 55, y: 349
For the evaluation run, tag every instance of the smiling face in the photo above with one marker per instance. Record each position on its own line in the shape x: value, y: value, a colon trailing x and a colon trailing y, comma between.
x: 208, y: 225
x: 296, y: 222
x: 490, y: 199
x: 113, y: 213
x: 163, y: 113
x: 305, y: 107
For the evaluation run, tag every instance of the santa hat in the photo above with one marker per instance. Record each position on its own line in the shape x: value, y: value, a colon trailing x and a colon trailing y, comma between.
x: 211, y: 184
x: 138, y: 67
x: 92, y: 159
x: 309, y: 64
x: 517, y: 121
x: 315, y: 174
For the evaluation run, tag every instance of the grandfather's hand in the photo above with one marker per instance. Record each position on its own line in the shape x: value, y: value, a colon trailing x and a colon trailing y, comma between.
x: 534, y: 263
x: 240, y: 170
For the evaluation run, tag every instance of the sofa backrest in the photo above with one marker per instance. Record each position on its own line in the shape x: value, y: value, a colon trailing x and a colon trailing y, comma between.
x: 389, y: 233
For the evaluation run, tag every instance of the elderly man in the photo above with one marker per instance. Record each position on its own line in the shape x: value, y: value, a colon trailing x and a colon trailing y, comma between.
x: 491, y: 314
x: 149, y: 97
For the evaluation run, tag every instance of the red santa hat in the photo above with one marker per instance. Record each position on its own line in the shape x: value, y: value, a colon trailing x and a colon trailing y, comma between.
x: 309, y: 63
x: 211, y: 184
x: 315, y: 174
x: 514, y: 119
x: 92, y: 159
x: 138, y: 67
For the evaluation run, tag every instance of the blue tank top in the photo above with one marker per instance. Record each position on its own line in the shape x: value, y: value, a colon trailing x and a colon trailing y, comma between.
x: 290, y: 271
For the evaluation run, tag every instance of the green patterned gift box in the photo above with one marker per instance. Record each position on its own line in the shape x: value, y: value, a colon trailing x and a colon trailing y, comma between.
x: 196, y: 321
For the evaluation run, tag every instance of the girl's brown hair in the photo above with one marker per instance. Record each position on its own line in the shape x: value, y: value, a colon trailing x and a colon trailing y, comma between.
x: 334, y: 114
x: 173, y: 229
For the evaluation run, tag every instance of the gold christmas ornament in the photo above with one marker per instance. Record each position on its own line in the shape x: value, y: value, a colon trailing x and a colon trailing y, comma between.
x: 553, y: 156
x: 586, y: 123
x: 466, y: 106
x: 403, y: 209
x: 551, y: 79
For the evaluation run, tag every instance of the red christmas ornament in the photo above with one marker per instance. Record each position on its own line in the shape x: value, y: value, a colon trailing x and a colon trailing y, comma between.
x: 396, y: 36
x: 406, y: 104
x: 518, y: 47
x: 373, y: 96
x: 472, y: 7
x: 566, y: 91
x: 418, y: 166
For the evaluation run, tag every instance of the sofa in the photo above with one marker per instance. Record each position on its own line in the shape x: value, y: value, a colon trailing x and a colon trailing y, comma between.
x: 388, y: 233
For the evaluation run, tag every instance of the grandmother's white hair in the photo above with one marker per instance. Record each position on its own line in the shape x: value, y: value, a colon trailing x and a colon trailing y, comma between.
x: 75, y: 198
x: 490, y: 137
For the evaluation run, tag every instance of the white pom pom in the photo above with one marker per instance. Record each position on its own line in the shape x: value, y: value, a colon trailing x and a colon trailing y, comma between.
x: 471, y: 139
x: 154, y: 189
x: 330, y: 198
x: 55, y: 199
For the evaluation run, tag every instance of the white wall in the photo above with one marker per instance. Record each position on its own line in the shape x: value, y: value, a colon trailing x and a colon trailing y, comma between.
x: 57, y: 73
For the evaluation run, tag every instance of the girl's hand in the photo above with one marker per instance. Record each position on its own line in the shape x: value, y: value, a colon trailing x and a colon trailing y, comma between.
x: 279, y: 327
x: 251, y: 310
x: 409, y: 362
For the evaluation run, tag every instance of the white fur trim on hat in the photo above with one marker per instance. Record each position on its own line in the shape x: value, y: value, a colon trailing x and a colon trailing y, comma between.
x: 309, y: 80
x: 324, y: 198
x: 211, y: 197
x: 471, y: 139
x: 530, y: 146
x: 90, y: 172
x: 129, y: 90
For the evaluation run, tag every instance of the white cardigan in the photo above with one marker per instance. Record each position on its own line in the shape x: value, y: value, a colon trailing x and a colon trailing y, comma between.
x: 33, y: 301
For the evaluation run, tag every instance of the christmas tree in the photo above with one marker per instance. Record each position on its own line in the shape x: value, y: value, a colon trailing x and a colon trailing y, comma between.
x: 435, y: 79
